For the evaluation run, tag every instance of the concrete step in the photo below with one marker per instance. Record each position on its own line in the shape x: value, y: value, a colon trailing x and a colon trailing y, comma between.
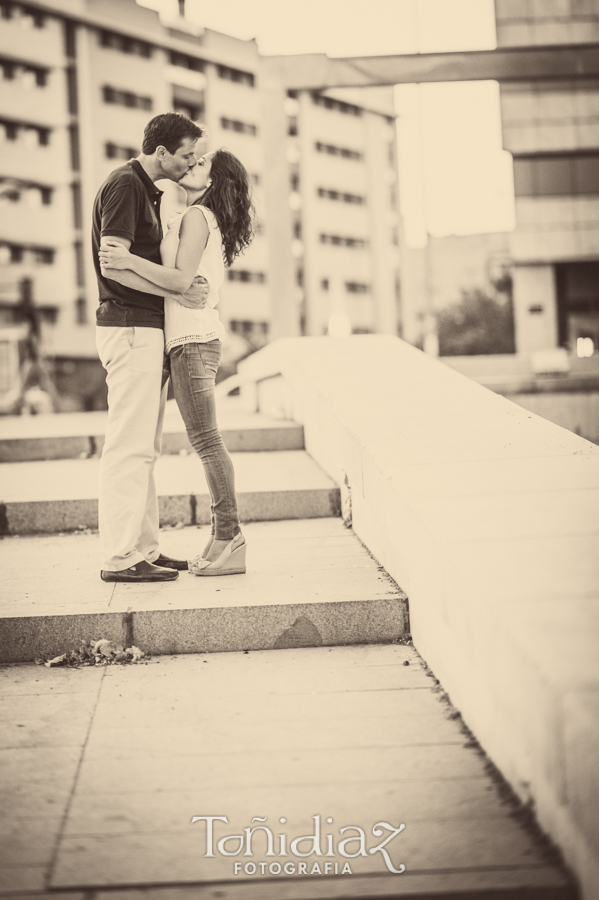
x: 61, y: 495
x: 80, y: 435
x: 309, y: 583
x: 103, y: 769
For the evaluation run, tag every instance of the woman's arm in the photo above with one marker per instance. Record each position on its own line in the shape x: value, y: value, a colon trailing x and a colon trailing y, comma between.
x: 192, y: 243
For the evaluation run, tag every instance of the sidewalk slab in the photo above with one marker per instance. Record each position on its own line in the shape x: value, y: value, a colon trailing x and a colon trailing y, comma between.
x: 61, y: 495
x: 80, y: 435
x: 308, y: 583
x: 201, y: 735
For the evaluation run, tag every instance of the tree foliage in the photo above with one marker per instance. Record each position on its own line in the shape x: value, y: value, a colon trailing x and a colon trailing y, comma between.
x: 479, y: 324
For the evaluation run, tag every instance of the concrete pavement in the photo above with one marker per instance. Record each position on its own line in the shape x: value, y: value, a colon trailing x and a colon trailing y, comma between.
x: 103, y: 770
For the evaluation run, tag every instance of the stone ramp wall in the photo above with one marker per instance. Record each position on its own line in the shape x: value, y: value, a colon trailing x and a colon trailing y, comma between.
x: 488, y: 517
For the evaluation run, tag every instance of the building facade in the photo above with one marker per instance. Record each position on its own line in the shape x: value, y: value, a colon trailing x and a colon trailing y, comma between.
x: 80, y: 79
x: 552, y: 130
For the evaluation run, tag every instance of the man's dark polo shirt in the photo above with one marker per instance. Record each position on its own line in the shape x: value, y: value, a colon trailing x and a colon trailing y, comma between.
x: 128, y: 206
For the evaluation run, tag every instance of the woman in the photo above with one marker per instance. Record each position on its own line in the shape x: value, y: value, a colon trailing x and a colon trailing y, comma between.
x: 212, y: 231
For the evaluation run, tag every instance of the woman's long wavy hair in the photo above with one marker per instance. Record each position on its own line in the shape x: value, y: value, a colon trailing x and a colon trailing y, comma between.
x: 229, y: 197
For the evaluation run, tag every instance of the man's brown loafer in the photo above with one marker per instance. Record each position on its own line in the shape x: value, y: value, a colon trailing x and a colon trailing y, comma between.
x: 142, y: 571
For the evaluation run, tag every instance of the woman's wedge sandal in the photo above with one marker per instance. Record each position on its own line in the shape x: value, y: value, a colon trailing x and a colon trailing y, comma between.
x: 230, y: 562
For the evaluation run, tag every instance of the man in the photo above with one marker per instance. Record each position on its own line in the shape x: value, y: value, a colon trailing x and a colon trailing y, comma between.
x: 130, y: 342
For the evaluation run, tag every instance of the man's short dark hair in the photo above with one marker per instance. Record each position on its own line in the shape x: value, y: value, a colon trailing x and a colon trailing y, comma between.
x: 169, y: 130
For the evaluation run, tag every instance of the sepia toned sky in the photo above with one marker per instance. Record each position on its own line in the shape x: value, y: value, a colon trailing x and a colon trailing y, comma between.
x: 454, y: 176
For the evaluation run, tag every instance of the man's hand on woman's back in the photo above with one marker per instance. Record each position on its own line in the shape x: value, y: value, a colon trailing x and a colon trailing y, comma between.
x: 197, y: 295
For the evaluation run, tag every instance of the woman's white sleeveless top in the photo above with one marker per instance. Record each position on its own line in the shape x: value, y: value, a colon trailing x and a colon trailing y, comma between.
x: 183, y: 325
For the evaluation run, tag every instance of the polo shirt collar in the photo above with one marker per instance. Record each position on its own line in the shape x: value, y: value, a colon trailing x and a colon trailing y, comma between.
x: 145, y: 179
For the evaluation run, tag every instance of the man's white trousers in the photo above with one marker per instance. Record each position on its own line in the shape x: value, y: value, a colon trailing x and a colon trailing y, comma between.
x: 128, y: 506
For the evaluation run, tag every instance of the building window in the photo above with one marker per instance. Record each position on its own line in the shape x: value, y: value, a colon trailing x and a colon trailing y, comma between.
x: 336, y: 240
x: 235, y: 75
x: 324, y: 284
x: 343, y: 152
x: 6, y: 10
x: 33, y: 134
x: 14, y: 190
x: 15, y: 253
x: 124, y: 44
x: 236, y: 125
x: 186, y: 62
x: 30, y: 76
x: 357, y: 287
x: 43, y: 255
x: 192, y: 111
x: 126, y: 98
x: 337, y: 105
x: 255, y: 333
x: 113, y: 151
x: 246, y: 277
x: 556, y: 174
x: 342, y: 196
x: 31, y: 18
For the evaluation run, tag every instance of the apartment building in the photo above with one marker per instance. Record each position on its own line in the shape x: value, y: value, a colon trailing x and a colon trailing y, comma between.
x: 79, y: 82
x: 342, y: 193
x: 80, y: 79
x: 552, y: 130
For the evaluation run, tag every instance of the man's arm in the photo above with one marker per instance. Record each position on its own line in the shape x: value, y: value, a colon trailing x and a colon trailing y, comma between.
x: 194, y: 298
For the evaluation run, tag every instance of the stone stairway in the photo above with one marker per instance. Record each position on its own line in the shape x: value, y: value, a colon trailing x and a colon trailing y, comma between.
x: 319, y: 587
x: 319, y: 706
x: 49, y: 473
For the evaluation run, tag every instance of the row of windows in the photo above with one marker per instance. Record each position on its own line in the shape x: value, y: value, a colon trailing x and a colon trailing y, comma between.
x: 28, y: 76
x: 14, y: 190
x: 193, y: 111
x: 33, y: 135
x: 235, y: 75
x: 236, y: 125
x: 352, y: 287
x: 552, y: 175
x: 125, y: 44
x: 126, y: 98
x: 328, y: 103
x: 344, y: 152
x: 113, y: 151
x: 185, y: 61
x: 246, y: 277
x: 338, y: 241
x: 340, y: 195
x: 29, y: 18
x: 141, y: 48
x: 253, y: 331
x: 18, y: 253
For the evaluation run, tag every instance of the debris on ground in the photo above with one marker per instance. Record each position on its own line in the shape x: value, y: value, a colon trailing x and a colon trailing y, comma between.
x: 94, y: 653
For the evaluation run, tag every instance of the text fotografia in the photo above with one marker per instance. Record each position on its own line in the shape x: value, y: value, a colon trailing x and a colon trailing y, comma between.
x: 352, y: 842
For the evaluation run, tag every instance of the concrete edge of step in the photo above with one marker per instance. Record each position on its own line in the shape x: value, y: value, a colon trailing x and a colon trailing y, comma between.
x: 288, y: 436
x: 78, y: 514
x: 209, y: 630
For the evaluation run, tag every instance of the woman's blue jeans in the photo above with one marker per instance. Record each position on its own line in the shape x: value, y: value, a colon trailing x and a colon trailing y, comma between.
x: 193, y: 373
